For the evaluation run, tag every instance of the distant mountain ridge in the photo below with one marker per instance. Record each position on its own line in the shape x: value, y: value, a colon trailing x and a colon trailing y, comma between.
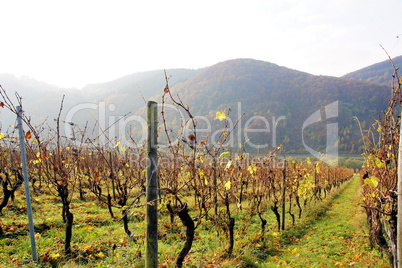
x: 379, y: 73
x: 263, y: 89
x: 286, y: 98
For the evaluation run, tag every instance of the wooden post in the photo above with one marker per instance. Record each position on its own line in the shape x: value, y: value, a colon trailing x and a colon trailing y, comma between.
x: 215, y: 183
x: 283, y: 194
x: 151, y: 259
x: 399, y: 221
x: 315, y: 181
x: 112, y: 175
x: 26, y: 183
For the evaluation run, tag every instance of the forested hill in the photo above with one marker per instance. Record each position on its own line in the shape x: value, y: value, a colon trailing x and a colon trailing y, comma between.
x: 128, y: 92
x: 267, y: 90
x: 275, y: 99
x: 379, y: 73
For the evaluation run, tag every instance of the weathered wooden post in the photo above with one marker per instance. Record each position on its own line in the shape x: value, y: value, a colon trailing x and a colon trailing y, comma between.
x: 112, y: 175
x: 283, y: 194
x: 151, y: 260
x: 399, y: 220
x: 215, y: 183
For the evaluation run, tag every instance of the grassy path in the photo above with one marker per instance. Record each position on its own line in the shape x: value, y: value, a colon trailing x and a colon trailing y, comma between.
x: 337, y: 239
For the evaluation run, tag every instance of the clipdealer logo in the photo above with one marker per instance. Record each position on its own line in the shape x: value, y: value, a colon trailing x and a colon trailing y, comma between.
x: 331, y: 153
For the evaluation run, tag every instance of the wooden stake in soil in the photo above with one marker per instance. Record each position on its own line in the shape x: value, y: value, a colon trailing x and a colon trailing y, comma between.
x: 112, y: 175
x: 283, y: 194
x: 151, y: 260
x: 399, y: 221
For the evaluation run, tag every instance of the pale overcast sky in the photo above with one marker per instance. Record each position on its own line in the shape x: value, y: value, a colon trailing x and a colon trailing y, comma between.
x: 74, y: 43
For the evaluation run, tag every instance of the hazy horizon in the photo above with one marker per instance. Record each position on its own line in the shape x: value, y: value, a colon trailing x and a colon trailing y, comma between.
x: 76, y: 43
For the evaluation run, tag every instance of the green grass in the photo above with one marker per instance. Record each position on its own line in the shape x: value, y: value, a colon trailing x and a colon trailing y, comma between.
x: 339, y: 238
x: 331, y: 233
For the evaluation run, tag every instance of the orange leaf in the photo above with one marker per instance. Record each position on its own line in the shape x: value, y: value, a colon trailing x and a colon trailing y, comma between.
x: 166, y: 90
x: 202, y: 143
x: 191, y: 137
x: 2, y: 104
x: 231, y: 170
x: 28, y: 135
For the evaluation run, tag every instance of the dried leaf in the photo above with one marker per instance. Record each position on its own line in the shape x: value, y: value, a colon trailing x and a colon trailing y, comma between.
x: 28, y: 135
x: 191, y: 137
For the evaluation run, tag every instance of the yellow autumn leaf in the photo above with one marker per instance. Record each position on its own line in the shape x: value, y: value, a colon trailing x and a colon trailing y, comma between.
x: 117, y: 144
x: 55, y: 255
x: 228, y: 185
x: 252, y: 169
x: 1, y: 136
x: 224, y: 154
x: 35, y: 141
x: 220, y: 115
x: 374, y: 178
x: 379, y: 163
x: 317, y: 168
x: 123, y: 149
x: 372, y: 181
